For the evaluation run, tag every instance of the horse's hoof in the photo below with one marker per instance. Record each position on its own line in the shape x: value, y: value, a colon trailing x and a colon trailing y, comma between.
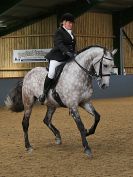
x: 58, y: 141
x: 29, y: 149
x: 88, y: 153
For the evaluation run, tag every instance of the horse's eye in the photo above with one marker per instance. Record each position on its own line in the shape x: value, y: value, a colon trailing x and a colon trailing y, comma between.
x: 105, y: 66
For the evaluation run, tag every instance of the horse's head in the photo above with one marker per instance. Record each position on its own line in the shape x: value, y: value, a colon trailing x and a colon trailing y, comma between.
x: 103, y: 66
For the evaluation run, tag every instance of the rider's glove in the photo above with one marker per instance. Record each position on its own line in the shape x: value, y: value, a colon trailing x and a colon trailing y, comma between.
x: 70, y: 54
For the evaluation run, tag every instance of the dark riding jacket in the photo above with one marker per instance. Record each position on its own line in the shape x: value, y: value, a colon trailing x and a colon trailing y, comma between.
x: 63, y: 43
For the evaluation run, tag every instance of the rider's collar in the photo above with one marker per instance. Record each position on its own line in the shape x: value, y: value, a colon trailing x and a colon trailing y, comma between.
x: 69, y: 31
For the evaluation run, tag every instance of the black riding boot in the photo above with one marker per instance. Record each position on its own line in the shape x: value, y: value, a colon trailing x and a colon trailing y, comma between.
x: 47, y: 85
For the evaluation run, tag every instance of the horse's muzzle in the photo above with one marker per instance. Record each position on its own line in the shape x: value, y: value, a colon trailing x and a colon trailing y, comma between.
x: 104, y: 86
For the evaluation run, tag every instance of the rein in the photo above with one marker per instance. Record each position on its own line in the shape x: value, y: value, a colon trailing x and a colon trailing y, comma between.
x: 100, y: 68
x: 85, y: 70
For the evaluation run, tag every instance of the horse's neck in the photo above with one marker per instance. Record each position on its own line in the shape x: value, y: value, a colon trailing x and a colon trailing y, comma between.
x: 85, y: 59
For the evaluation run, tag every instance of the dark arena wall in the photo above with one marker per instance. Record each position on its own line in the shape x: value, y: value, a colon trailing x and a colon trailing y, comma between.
x: 120, y: 86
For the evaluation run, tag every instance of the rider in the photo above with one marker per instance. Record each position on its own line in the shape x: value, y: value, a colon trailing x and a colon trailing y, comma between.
x: 63, y: 50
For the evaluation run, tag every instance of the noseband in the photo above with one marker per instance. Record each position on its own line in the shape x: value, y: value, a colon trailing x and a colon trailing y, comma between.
x: 94, y: 74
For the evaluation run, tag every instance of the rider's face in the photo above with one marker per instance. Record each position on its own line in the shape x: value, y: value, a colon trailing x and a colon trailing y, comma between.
x: 68, y: 25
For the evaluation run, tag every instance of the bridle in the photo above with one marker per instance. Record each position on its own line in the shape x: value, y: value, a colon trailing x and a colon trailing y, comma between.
x: 100, y: 68
x: 93, y: 73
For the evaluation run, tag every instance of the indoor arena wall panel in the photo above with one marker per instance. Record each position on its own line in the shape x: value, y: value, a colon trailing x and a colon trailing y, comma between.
x: 128, y: 49
x: 90, y: 29
x: 94, y: 28
x: 38, y: 35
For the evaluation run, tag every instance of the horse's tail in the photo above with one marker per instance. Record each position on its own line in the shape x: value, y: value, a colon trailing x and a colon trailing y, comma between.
x: 13, y: 100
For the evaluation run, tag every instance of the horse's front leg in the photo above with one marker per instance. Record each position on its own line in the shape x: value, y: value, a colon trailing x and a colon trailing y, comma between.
x: 80, y: 125
x: 89, y: 108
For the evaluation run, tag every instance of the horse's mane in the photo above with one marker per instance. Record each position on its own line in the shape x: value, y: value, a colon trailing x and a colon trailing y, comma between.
x: 88, y: 47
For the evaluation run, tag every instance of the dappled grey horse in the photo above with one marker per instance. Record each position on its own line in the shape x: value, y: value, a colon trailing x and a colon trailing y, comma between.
x: 74, y: 88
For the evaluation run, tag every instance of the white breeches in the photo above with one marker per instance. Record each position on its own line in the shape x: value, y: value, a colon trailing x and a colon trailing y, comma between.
x: 52, y: 66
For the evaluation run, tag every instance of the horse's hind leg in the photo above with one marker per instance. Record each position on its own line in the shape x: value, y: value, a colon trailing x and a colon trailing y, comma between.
x: 89, y: 108
x: 25, y: 124
x: 80, y: 125
x: 47, y: 120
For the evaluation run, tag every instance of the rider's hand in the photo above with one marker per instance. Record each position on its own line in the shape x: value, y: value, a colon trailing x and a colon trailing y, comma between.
x: 70, y: 54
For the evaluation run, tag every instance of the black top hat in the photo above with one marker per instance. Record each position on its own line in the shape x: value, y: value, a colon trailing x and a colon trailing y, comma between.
x: 67, y: 17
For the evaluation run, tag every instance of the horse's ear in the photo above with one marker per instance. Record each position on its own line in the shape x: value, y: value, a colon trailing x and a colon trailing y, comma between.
x: 114, y: 51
